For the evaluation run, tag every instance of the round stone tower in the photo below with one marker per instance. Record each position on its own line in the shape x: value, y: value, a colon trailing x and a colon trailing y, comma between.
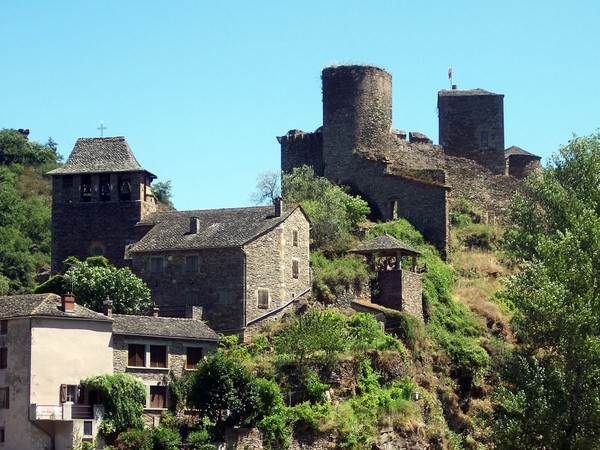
x: 357, y: 116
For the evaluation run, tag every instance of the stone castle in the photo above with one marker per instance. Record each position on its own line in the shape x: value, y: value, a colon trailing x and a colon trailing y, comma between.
x: 412, y: 179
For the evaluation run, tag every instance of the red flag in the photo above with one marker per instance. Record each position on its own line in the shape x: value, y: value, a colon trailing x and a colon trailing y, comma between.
x: 450, y: 72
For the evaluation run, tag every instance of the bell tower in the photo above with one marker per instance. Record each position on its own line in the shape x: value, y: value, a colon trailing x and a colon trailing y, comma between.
x: 98, y: 196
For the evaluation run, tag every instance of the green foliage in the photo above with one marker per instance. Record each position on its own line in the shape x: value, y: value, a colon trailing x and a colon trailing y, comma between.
x: 309, y: 417
x: 267, y: 188
x: 409, y: 330
x: 268, y: 398
x: 199, y: 440
x: 452, y: 325
x: 333, y: 276
x: 316, y: 334
x: 164, y: 438
x: 275, y: 432
x: 368, y: 378
x: 312, y: 386
x: 221, y: 383
x: 556, y: 237
x: 16, y: 149
x: 123, y: 397
x: 333, y: 213
x: 134, y: 439
x: 162, y: 192
x: 95, y: 280
x: 463, y: 213
x: 366, y: 334
x: 179, y: 390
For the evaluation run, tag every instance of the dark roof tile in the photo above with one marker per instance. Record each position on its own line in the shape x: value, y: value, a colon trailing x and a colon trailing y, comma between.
x: 384, y: 243
x: 98, y: 155
x: 151, y: 326
x: 514, y: 150
x: 46, y: 305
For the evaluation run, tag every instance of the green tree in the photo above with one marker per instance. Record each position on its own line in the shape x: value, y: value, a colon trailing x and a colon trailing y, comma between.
x: 224, y: 390
x: 267, y: 188
x: 162, y: 192
x: 333, y: 213
x: 95, y: 280
x: 551, y: 388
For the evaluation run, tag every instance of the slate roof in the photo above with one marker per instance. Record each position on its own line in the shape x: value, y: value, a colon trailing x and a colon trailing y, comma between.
x: 162, y: 327
x: 100, y: 155
x: 219, y: 228
x: 43, y: 305
x: 514, y: 150
x: 384, y: 244
x: 464, y: 92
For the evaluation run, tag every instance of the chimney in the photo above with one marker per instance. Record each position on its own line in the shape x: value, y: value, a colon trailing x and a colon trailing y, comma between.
x: 277, y: 203
x: 68, y: 302
x: 454, y: 87
x: 194, y: 225
x: 155, y: 311
x: 108, y: 306
x: 194, y: 312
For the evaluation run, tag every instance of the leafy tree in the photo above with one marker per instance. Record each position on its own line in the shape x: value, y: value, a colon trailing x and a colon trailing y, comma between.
x: 267, y: 188
x: 123, y: 397
x: 162, y: 192
x: 224, y: 390
x: 96, y: 280
x: 551, y: 386
x: 334, y: 214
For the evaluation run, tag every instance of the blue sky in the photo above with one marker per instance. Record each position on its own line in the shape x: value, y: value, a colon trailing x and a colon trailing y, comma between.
x: 201, y: 89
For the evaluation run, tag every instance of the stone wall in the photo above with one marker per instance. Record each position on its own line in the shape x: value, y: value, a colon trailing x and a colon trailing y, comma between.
x: 96, y: 227
x: 464, y: 118
x: 299, y: 148
x: 217, y: 286
x: 412, y: 293
x: 520, y: 166
x: 400, y: 290
x: 270, y: 261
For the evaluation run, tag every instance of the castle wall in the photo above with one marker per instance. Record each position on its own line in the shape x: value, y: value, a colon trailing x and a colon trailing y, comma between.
x: 520, y: 166
x: 357, y: 115
x: 299, y: 148
x: 471, y: 125
x: 95, y: 227
x: 217, y: 285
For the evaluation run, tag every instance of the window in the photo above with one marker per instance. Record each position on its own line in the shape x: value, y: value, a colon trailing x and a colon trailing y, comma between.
x: 193, y: 357
x: 263, y: 298
x: 1, y: 434
x: 225, y: 296
x: 3, y: 326
x: 156, y: 264
x: 87, y: 428
x: 136, y: 355
x: 295, y: 238
x: 158, y: 356
x: 3, y: 357
x: 70, y: 393
x: 4, y: 397
x: 86, y: 188
x: 191, y: 264
x: 125, y: 189
x: 105, y: 188
x: 295, y: 268
x: 158, y: 397
x: 484, y: 139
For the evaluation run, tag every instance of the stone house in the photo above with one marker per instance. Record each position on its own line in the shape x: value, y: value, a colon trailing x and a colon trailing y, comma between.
x: 156, y: 349
x: 242, y: 266
x: 47, y: 346
x: 412, y: 179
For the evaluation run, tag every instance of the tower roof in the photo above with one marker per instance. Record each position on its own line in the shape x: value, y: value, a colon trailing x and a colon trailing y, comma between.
x: 514, y: 150
x: 98, y: 155
x: 385, y: 244
x: 465, y: 93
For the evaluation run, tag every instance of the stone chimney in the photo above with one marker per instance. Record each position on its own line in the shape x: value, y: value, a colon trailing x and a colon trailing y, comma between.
x: 277, y: 203
x: 68, y: 303
x: 108, y: 307
x: 194, y: 312
x: 194, y: 225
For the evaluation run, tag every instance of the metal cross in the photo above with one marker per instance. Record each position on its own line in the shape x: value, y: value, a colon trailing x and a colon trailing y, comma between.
x: 101, y: 128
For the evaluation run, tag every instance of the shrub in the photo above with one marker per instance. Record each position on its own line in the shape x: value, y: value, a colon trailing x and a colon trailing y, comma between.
x: 275, y: 432
x: 199, y: 440
x: 307, y: 417
x: 134, y: 439
x: 164, y: 438
x: 332, y: 277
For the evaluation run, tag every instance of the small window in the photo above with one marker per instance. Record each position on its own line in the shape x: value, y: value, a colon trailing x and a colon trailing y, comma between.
x: 1, y: 434
x: 484, y: 139
x: 69, y: 393
x: 158, y: 397
x: 3, y: 326
x: 4, y: 397
x: 263, y: 298
x: 156, y: 264
x: 295, y: 238
x: 86, y: 188
x: 105, y: 188
x: 225, y: 296
x: 3, y: 358
x: 124, y: 189
x: 87, y: 428
x: 136, y: 355
x: 193, y: 357
x: 158, y: 356
x: 191, y: 264
x: 295, y: 268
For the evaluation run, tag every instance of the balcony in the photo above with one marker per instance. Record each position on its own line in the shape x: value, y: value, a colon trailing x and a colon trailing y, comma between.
x: 65, y: 411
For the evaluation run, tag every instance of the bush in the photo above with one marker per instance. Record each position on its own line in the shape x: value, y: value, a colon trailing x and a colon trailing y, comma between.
x: 199, y: 440
x: 366, y: 334
x: 164, y: 438
x: 332, y: 277
x: 275, y: 432
x: 134, y: 439
x: 309, y: 418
